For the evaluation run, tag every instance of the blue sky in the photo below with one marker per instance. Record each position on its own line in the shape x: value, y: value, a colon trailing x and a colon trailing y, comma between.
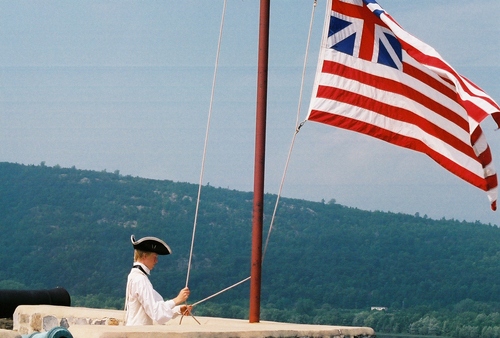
x: 125, y: 85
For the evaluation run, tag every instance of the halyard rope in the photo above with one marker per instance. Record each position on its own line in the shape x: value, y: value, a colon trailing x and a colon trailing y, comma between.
x: 297, y: 129
x: 206, y: 140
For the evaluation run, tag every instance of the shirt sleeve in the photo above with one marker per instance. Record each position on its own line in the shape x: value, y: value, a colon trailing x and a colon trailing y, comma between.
x: 152, y: 302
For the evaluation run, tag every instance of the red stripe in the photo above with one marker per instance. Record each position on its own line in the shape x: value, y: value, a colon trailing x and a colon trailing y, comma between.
x: 476, y: 134
x: 492, y: 181
x: 397, y: 87
x: 400, y: 140
x: 475, y: 112
x: 430, y: 81
x: 396, y: 113
x: 484, y: 157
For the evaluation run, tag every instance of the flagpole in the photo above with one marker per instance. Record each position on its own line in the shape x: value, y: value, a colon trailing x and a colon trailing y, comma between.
x: 259, y: 163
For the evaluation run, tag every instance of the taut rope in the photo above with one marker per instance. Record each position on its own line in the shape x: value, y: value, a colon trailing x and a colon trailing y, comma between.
x: 206, y: 140
x: 297, y: 128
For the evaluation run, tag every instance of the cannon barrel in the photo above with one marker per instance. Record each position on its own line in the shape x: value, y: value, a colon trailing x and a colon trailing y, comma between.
x: 56, y: 332
x: 11, y: 299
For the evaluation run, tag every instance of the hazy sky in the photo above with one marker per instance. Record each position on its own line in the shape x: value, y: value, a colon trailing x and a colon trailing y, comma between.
x: 125, y: 85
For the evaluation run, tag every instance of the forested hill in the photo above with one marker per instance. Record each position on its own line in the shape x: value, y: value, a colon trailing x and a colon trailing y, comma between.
x: 71, y: 228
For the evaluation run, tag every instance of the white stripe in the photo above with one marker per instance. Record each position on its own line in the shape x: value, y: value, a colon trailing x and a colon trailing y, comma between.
x: 400, y: 128
x: 374, y: 7
x: 481, y: 144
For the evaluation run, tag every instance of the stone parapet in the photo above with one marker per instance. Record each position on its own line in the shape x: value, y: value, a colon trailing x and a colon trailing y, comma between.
x: 102, y: 323
x: 42, y: 318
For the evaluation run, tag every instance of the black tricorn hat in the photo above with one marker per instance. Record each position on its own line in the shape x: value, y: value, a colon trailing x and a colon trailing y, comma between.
x: 151, y: 244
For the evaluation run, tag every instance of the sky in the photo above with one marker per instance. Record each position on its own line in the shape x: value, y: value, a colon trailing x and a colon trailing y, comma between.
x: 126, y: 85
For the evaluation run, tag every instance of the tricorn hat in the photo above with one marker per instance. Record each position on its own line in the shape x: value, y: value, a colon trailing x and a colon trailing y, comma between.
x: 151, y: 244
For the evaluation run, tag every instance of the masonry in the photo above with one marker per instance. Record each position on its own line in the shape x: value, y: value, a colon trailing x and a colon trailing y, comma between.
x: 103, y: 323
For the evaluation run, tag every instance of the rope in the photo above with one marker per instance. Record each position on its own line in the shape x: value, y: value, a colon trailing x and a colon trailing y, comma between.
x: 297, y: 129
x: 279, y: 191
x: 207, y: 298
x: 206, y: 141
x: 221, y: 291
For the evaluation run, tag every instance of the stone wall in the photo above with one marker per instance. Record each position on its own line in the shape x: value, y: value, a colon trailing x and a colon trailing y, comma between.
x: 34, y: 318
x: 103, y: 323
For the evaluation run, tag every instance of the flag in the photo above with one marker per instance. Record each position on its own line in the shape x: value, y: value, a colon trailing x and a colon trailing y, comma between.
x: 375, y: 78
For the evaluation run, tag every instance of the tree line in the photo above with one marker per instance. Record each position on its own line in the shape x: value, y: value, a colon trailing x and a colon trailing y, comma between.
x: 326, y: 263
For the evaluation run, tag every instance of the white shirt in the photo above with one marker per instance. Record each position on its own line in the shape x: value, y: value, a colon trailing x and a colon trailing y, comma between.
x: 143, y: 305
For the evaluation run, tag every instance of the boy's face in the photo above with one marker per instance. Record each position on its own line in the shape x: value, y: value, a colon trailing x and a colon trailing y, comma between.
x: 150, y: 260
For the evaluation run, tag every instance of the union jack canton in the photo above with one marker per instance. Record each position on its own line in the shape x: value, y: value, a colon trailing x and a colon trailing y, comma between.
x: 354, y: 30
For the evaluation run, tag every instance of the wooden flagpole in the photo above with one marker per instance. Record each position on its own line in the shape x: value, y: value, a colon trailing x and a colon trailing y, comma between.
x: 259, y: 164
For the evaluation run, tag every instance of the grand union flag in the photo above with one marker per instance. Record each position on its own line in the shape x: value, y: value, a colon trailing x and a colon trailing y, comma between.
x: 377, y: 79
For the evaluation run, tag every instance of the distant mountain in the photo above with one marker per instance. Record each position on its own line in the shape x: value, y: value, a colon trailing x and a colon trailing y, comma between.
x: 71, y: 228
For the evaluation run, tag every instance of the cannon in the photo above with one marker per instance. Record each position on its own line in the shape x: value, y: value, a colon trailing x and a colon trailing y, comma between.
x: 56, y: 332
x: 11, y: 299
